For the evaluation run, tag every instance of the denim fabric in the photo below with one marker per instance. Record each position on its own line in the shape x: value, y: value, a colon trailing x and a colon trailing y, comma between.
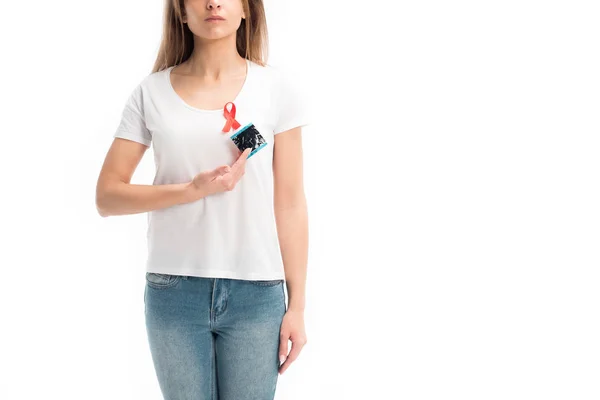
x: 214, y: 338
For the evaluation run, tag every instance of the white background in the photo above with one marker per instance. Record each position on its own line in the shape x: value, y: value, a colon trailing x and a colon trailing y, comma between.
x: 451, y: 173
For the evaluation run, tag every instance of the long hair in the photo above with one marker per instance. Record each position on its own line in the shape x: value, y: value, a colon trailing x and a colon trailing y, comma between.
x: 177, y: 41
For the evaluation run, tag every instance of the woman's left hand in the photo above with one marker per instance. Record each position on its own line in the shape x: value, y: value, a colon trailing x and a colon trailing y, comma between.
x: 292, y: 328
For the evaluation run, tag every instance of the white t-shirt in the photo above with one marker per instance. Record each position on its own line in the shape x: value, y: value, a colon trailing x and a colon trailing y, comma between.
x: 232, y: 234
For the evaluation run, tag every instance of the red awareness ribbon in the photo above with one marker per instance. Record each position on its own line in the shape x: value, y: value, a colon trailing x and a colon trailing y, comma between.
x: 231, y: 121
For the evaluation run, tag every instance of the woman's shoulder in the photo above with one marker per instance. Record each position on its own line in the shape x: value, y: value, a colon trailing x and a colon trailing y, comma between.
x: 268, y: 68
x: 155, y: 76
x: 151, y: 82
x: 269, y: 74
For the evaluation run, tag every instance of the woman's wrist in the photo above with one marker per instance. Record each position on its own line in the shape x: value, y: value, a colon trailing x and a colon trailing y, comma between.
x: 296, y: 295
x: 296, y: 305
x: 192, y: 192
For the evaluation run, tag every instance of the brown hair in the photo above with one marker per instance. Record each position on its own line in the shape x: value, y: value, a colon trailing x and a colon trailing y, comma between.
x: 178, y: 40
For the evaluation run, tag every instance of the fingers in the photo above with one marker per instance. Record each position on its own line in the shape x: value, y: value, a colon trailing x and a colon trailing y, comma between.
x: 239, y: 167
x: 220, y: 171
x: 297, y: 345
x: 231, y: 175
x: 242, y: 158
x: 283, y: 347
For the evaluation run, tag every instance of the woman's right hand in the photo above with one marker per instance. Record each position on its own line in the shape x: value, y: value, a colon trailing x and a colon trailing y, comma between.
x: 220, y: 179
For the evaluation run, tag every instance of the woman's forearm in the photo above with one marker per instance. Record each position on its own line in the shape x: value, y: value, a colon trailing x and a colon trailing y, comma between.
x: 122, y: 198
x: 292, y: 230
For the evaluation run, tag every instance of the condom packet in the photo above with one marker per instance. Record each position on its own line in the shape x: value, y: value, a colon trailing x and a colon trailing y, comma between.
x: 248, y: 137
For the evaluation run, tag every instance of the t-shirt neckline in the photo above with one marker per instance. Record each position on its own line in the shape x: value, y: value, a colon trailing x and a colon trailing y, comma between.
x: 184, y: 103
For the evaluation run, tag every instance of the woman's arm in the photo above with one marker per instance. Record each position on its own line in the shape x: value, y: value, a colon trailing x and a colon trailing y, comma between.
x: 116, y: 196
x: 291, y: 213
x: 292, y: 229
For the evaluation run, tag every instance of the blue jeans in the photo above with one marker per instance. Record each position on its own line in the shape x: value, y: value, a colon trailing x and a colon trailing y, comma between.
x: 214, y: 338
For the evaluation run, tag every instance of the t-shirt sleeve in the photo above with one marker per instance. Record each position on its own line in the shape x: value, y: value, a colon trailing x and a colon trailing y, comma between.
x: 292, y: 105
x: 132, y: 125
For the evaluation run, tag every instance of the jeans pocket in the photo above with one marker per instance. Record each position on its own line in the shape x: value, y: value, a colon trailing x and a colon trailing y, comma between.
x: 273, y: 282
x: 161, y: 281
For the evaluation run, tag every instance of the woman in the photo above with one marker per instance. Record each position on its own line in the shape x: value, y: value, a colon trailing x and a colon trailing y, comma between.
x: 222, y: 222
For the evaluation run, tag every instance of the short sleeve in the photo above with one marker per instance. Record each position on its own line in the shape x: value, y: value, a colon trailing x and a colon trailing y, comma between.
x: 132, y: 125
x: 292, y: 105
